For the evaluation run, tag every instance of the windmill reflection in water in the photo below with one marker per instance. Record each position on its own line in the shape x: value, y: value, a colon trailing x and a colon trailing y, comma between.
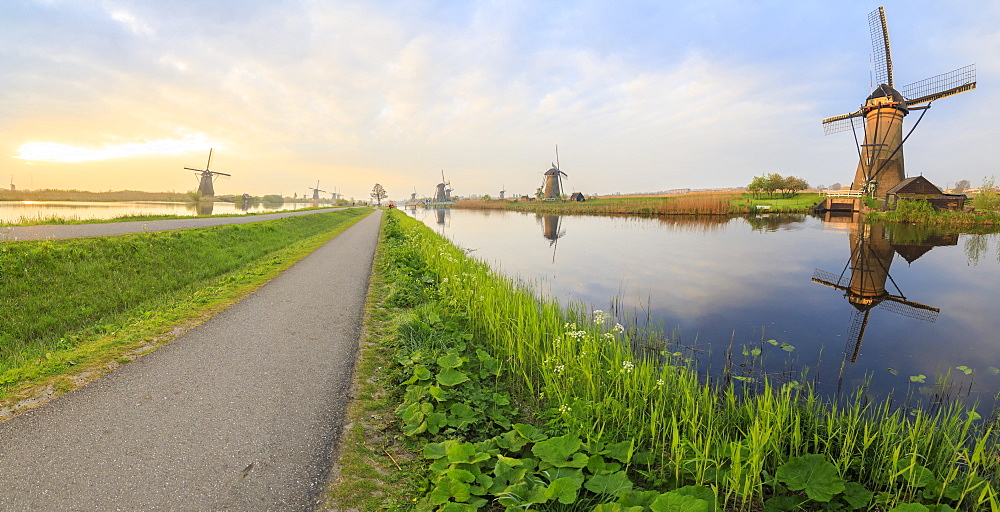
x: 865, y: 276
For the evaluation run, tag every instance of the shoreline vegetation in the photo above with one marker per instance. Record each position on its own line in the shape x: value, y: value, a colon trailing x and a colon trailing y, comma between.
x: 75, y: 309
x: 89, y: 196
x: 697, y: 203
x: 473, y: 394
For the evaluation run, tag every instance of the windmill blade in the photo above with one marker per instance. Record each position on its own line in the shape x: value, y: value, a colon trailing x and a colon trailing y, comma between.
x: 910, y: 309
x: 219, y: 173
x: 208, y: 164
x: 557, y: 157
x: 195, y: 170
x: 880, y: 46
x: 941, y: 86
x: 830, y: 279
x: 843, y: 122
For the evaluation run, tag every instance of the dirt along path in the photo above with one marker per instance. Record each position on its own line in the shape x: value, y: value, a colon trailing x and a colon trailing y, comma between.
x: 47, y: 231
x: 240, y: 413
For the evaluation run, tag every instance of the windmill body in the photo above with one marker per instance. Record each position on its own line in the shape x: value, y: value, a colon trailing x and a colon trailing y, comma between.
x: 881, y: 153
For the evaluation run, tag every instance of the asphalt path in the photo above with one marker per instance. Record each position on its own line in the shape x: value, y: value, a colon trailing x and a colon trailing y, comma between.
x: 240, y: 413
x: 46, y: 232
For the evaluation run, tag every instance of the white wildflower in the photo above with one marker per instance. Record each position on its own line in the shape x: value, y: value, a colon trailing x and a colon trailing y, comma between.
x: 618, y: 328
x: 627, y: 366
x: 659, y: 382
x: 559, y: 369
x: 564, y: 408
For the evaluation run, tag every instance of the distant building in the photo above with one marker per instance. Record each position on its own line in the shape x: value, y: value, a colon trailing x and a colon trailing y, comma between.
x: 577, y: 196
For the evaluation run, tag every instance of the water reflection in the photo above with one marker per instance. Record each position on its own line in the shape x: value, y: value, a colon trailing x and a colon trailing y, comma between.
x: 863, y: 280
x: 204, y: 207
x: 551, y: 232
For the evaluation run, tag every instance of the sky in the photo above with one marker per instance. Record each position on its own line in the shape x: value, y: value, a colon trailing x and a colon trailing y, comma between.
x: 639, y: 96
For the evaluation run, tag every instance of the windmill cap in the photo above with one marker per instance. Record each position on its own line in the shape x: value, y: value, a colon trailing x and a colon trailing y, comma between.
x: 552, y: 171
x: 884, y: 91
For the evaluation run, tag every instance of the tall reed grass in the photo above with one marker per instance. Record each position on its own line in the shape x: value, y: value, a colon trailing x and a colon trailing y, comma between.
x: 577, y: 370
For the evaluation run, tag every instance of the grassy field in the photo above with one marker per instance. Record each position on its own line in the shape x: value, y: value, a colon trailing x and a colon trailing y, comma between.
x: 701, y: 203
x: 508, y: 402
x: 75, y: 306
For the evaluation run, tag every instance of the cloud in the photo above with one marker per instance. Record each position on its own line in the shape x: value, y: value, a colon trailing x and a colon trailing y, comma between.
x: 66, y: 153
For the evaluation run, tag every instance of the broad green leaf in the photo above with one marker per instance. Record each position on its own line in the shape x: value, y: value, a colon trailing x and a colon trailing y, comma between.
x: 436, y: 421
x: 917, y: 476
x: 434, y: 450
x: 447, y: 488
x: 857, y: 495
x: 529, y: 432
x: 910, y: 507
x: 784, y: 503
x: 701, y: 492
x: 461, y: 415
x: 918, y: 378
x: 615, y: 507
x: 613, y: 484
x: 462, y: 475
x: 638, y: 498
x: 422, y: 373
x: 558, y: 450
x: 450, y: 360
x: 563, y: 489
x: 622, y: 452
x: 459, y: 507
x: 451, y: 377
x: 674, y: 502
x: 755, y: 351
x: 814, y: 474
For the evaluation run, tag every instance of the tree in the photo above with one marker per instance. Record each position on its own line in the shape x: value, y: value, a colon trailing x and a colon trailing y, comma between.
x: 961, y: 185
x: 836, y: 186
x: 757, y: 186
x: 378, y: 194
x: 774, y: 182
x: 794, y: 184
x: 539, y: 193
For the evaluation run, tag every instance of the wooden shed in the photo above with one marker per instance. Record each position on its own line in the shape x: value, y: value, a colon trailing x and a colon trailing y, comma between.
x: 920, y: 188
x: 578, y: 197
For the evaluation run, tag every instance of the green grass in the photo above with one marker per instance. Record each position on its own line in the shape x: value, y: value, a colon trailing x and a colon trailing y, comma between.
x: 55, y: 220
x: 643, y: 419
x: 922, y: 213
x: 67, y: 303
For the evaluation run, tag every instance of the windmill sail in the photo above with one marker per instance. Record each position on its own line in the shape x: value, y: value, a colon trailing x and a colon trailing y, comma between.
x: 941, y: 86
x: 880, y: 46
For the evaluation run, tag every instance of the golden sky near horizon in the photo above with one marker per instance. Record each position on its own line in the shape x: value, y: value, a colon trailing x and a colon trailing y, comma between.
x: 639, y: 96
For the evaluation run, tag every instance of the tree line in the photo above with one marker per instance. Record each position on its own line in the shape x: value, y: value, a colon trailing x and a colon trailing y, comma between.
x: 776, y: 183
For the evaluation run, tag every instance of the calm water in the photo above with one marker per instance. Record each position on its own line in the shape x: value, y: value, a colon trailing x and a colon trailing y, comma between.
x: 16, y: 211
x: 856, y: 302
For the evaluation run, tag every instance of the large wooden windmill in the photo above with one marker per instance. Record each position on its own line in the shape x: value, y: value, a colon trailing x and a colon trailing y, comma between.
x: 881, y: 154
x: 206, y: 187
x: 443, y: 193
x: 316, y: 191
x: 552, y: 182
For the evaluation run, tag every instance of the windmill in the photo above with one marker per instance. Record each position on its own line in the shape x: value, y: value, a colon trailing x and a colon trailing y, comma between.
x: 865, y: 287
x: 206, y: 187
x: 443, y: 193
x: 413, y: 196
x: 316, y: 191
x: 502, y: 191
x: 551, y: 231
x: 12, y: 187
x: 880, y: 165
x: 552, y: 182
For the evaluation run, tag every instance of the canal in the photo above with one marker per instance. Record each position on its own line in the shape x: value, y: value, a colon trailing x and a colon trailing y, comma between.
x: 836, y: 302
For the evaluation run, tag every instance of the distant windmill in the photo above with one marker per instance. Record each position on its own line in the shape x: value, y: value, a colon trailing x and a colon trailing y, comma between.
x: 864, y: 287
x: 316, y: 191
x: 206, y: 187
x: 502, y: 191
x: 881, y: 155
x: 552, y: 184
x: 413, y: 196
x: 443, y: 193
x: 12, y: 187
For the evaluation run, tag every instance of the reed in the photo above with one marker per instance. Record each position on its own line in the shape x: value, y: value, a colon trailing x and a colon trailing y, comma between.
x: 701, y: 203
x: 577, y: 369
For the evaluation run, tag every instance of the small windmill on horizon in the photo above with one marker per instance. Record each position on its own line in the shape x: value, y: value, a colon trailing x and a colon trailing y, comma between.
x: 206, y: 183
x: 880, y: 165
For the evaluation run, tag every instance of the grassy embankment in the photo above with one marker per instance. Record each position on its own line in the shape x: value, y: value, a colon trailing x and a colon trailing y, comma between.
x: 140, y: 218
x: 921, y: 212
x: 506, y: 402
x: 75, y: 308
x: 702, y: 203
